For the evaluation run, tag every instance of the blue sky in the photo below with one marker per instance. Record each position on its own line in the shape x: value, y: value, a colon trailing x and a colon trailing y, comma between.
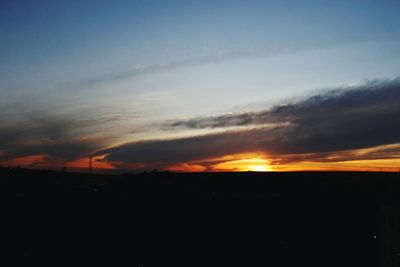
x: 130, y: 66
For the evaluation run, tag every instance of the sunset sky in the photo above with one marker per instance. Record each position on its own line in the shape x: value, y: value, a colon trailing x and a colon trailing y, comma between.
x: 270, y: 85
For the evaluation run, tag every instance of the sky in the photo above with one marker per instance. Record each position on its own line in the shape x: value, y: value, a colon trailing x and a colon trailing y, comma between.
x: 200, y: 85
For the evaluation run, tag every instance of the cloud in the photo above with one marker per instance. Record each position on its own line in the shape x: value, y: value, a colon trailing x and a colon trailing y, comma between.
x: 380, y: 152
x: 337, y: 120
x: 211, y: 57
x: 339, y: 104
x: 59, y: 137
x: 179, y: 150
x: 140, y: 70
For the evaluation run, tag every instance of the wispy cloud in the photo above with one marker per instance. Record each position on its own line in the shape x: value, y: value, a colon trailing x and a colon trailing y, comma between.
x: 217, y: 56
x: 142, y: 69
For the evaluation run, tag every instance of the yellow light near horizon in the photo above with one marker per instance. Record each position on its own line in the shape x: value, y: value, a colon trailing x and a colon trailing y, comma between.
x: 248, y: 163
x: 374, y: 165
x: 259, y: 168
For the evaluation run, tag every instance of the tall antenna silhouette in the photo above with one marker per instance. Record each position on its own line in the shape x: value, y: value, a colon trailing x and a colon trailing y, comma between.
x: 90, y: 164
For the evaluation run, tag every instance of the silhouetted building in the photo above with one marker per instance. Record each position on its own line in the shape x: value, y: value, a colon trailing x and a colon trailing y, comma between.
x: 390, y: 233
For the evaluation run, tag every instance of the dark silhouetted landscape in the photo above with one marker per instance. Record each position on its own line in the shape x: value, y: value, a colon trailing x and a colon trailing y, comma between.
x: 203, y: 219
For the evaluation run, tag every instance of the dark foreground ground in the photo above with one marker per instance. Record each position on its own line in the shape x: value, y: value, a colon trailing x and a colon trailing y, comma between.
x: 205, y: 219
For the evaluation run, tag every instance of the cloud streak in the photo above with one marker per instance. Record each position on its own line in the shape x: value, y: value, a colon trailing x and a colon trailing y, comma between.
x: 217, y: 56
x: 139, y: 70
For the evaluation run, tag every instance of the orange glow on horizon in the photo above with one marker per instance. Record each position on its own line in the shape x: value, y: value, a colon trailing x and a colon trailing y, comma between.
x: 246, y: 164
x: 39, y: 162
x: 371, y: 165
x: 25, y: 161
x: 83, y: 163
x: 351, y: 160
x: 228, y: 163
x: 261, y: 163
x: 184, y: 167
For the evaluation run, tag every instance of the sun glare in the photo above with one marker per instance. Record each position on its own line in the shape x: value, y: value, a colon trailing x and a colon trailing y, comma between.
x: 259, y: 168
x: 244, y: 162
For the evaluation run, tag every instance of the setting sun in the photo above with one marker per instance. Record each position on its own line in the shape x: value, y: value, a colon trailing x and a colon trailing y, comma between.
x: 259, y: 168
x: 243, y: 162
